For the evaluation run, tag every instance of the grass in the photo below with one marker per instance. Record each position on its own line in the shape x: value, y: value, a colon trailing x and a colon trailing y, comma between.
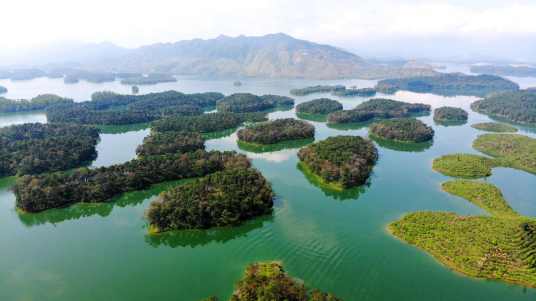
x: 494, y: 127
x: 509, y: 150
x: 483, y: 195
x: 464, y: 166
x: 318, y: 180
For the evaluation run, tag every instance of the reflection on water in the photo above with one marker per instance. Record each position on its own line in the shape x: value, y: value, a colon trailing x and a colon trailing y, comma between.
x: 260, y: 148
x: 121, y: 129
x: 402, y: 146
x: 8, y: 119
x: 219, y: 134
x: 313, y: 117
x: 450, y: 123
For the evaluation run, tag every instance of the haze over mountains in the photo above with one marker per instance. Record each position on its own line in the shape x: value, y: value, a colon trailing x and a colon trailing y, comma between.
x: 272, y: 56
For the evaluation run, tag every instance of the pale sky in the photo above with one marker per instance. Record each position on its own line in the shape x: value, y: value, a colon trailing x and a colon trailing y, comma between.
x: 133, y: 23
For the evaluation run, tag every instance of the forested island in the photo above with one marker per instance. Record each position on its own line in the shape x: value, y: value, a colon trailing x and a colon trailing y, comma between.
x: 3, y: 90
x: 449, y: 84
x: 269, y: 281
x: 60, y: 189
x: 494, y: 127
x: 402, y: 130
x: 247, y: 103
x: 316, y: 89
x: 319, y: 106
x: 205, y: 123
x: 378, y: 108
x: 38, y: 103
x: 108, y: 108
x: 276, y: 131
x: 74, y: 76
x: 150, y: 79
x: 158, y: 143
x: 362, y: 92
x: 223, y: 198
x: 34, y: 148
x: 505, y: 70
x: 519, y: 106
x: 339, y: 162
x: 450, y: 115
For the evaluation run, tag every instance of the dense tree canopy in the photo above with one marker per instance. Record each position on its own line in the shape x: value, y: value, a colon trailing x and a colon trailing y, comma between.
x: 378, y: 108
x: 224, y: 198
x: 247, y: 102
x: 276, y: 131
x: 38, y: 103
x: 320, y: 106
x: 38, y: 193
x: 346, y: 160
x: 517, y: 106
x: 403, y: 129
x: 449, y: 84
x: 158, y: 143
x: 34, y: 148
x: 206, y: 123
x: 450, y: 114
x: 316, y: 89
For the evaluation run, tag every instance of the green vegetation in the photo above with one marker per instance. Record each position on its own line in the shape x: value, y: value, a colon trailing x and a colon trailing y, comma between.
x: 518, y: 106
x: 449, y: 84
x: 402, y: 130
x: 38, y: 193
x: 402, y: 146
x: 341, y: 162
x: 269, y: 281
x: 494, y: 127
x: 505, y: 70
x: 509, y: 150
x: 275, y: 131
x: 483, y: 195
x: 34, y: 148
x: 224, y: 198
x: 247, y: 103
x: 37, y: 103
x: 264, y: 148
x: 363, y: 92
x: 378, y: 108
x: 320, y: 106
x: 170, y: 143
x: 464, y: 166
x: 74, y: 76
x: 449, y: 115
x: 150, y: 79
x: 3, y: 90
x: 316, y: 89
x: 206, y: 123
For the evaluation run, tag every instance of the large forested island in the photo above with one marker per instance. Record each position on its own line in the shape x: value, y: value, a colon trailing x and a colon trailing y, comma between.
x: 402, y: 130
x: 276, y: 131
x: 108, y: 108
x: 339, y: 162
x: 319, y: 106
x: 450, y: 115
x: 269, y: 281
x: 224, y: 198
x: 449, y: 84
x: 378, y: 108
x: 34, y: 148
x: 505, y: 70
x: 161, y: 143
x: 519, y: 106
x: 247, y: 102
x: 206, y: 123
x: 38, y: 103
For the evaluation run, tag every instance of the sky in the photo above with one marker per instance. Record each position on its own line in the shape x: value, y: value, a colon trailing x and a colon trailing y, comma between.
x: 414, y: 28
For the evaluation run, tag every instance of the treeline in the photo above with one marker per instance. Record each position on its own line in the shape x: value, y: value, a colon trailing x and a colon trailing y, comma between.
x: 170, y: 143
x: 108, y: 108
x: 449, y: 84
x: 42, y: 192
x: 224, y: 198
x: 276, y: 131
x: 404, y: 129
x: 517, y: 106
x: 344, y: 160
x: 319, y: 106
x: 35, y: 148
x: 505, y: 70
x: 206, y: 123
x: 150, y: 79
x: 316, y: 89
x: 38, y: 103
x: 450, y: 114
x: 247, y: 102
x: 378, y: 108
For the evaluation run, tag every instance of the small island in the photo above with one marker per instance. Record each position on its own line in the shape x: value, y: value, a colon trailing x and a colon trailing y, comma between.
x: 276, y: 131
x: 3, y: 90
x: 449, y: 84
x: 505, y: 70
x: 150, y: 79
x: 402, y: 130
x: 34, y: 148
x: 464, y: 166
x: 319, y: 106
x: 224, y: 198
x: 38, y: 103
x: 450, y: 115
x: 205, y: 123
x: 158, y: 143
x: 509, y: 150
x: 339, y: 162
x: 494, y: 127
x: 316, y: 89
x: 355, y: 92
x: 247, y: 103
x: 378, y: 108
x: 519, y: 106
x: 135, y: 90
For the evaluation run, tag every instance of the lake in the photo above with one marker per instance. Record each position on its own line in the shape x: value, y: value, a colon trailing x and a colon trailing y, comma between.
x: 334, y: 242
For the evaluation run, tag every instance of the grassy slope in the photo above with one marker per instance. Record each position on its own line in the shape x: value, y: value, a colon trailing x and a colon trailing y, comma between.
x: 463, y: 166
x: 509, y: 150
x: 494, y: 127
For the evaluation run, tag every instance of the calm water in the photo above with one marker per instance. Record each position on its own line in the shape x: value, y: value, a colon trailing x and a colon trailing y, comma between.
x: 333, y: 242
